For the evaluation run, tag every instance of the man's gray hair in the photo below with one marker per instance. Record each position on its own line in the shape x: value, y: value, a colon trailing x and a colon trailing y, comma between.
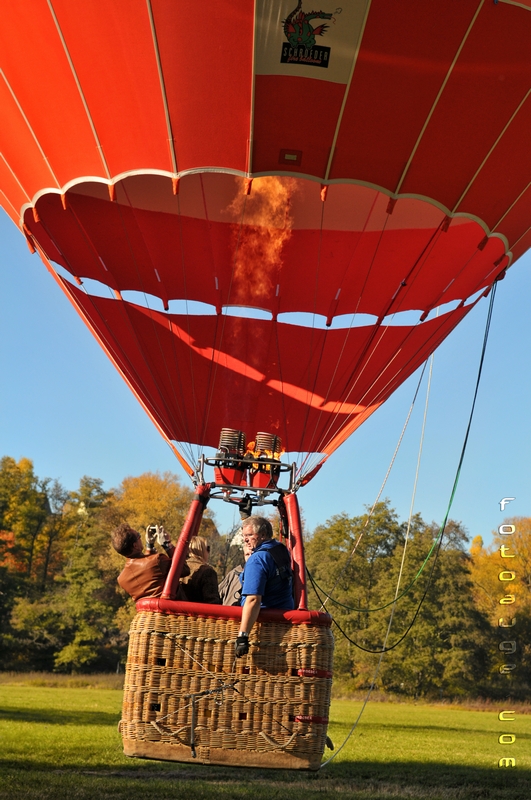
x: 259, y: 525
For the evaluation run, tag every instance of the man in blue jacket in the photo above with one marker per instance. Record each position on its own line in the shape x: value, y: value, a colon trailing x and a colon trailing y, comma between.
x: 267, y: 580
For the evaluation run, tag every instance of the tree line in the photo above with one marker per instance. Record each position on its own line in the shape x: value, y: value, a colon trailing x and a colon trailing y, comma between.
x: 442, y: 635
x: 61, y: 608
x: 60, y: 605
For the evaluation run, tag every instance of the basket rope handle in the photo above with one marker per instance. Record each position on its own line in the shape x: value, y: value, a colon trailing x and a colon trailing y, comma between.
x: 275, y: 745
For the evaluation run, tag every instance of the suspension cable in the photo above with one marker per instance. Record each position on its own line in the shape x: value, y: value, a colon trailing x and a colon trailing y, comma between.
x: 382, y: 487
x: 384, y: 647
x: 438, y: 539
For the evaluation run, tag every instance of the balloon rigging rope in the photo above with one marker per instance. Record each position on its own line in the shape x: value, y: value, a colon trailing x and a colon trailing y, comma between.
x: 175, y: 392
x: 370, y: 348
x: 399, y: 595
x: 188, y: 330
x: 134, y: 261
x: 318, y: 458
x: 382, y: 487
x: 214, y: 365
x: 311, y: 391
x: 384, y: 647
x: 115, y: 348
x: 318, y: 446
x: 124, y: 304
x: 178, y: 391
x: 436, y: 544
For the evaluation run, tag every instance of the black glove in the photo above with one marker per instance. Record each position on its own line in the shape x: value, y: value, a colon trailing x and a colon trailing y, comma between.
x: 241, y: 648
x: 246, y: 506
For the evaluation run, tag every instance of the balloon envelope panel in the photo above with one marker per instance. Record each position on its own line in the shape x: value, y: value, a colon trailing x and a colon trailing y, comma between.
x: 301, y: 181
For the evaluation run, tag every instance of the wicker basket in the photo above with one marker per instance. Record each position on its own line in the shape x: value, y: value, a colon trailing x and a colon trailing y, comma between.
x: 187, y: 698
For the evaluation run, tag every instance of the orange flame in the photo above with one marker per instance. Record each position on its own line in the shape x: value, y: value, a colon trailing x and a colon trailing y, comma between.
x: 258, y: 242
x: 253, y: 452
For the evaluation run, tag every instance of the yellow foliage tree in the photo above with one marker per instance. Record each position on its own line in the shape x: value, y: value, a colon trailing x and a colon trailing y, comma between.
x: 488, y: 563
x: 501, y: 576
x: 156, y: 499
x: 519, y: 545
x: 484, y: 570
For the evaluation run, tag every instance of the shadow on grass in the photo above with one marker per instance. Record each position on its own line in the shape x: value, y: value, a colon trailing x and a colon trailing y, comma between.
x: 54, y: 716
x: 342, y: 729
x: 137, y: 778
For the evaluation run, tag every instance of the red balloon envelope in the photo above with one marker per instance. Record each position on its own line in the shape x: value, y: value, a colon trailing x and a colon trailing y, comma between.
x: 268, y: 215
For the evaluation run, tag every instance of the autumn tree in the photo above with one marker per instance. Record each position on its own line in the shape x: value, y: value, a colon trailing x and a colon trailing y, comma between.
x: 60, y: 602
x: 346, y: 558
x: 508, y: 553
x: 30, y: 516
x: 436, y: 639
x: 10, y: 587
x: 155, y: 498
x: 70, y: 625
x: 24, y: 506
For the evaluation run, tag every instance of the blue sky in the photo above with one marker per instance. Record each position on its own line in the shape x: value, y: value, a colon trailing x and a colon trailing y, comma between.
x: 63, y: 405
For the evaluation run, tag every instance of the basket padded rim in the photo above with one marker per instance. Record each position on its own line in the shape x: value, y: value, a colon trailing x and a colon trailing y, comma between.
x: 299, y: 617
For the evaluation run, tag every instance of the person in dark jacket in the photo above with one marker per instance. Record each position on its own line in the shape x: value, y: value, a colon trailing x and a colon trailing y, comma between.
x: 144, y: 574
x: 230, y: 588
x: 201, y: 585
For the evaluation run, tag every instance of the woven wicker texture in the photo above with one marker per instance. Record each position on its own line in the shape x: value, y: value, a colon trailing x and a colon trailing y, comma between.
x: 185, y: 693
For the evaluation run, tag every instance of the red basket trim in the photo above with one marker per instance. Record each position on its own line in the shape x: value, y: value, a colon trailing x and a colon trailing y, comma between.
x: 311, y: 720
x: 157, y: 604
x: 314, y: 673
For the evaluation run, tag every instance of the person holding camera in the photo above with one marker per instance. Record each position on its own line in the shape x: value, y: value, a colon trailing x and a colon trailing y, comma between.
x: 144, y: 574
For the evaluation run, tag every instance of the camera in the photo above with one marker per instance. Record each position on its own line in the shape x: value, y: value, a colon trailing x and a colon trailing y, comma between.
x: 153, y: 530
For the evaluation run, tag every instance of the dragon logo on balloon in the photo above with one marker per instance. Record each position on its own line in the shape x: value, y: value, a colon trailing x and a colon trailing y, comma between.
x: 301, y: 47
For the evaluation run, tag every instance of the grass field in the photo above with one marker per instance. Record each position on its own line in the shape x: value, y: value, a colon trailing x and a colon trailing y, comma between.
x: 60, y: 742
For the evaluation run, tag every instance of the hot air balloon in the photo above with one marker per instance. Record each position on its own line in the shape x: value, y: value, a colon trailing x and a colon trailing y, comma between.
x: 269, y: 216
